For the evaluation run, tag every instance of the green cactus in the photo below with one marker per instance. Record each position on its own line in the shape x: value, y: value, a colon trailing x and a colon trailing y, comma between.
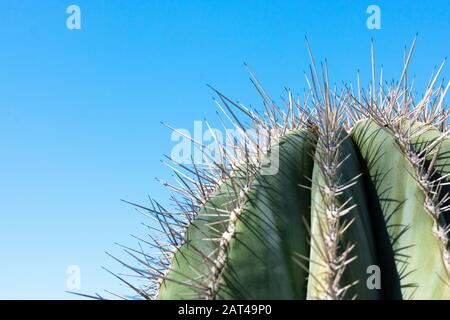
x: 360, y: 185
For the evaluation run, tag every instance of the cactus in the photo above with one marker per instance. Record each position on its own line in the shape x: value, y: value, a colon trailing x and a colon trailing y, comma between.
x: 361, y: 184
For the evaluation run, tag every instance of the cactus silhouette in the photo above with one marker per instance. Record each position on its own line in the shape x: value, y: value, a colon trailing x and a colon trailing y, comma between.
x: 348, y: 199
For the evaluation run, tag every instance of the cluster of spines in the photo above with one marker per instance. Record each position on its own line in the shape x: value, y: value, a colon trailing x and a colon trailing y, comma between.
x: 334, y: 256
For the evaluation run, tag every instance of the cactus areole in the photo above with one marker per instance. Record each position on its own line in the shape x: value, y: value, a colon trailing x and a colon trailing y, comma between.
x: 357, y: 206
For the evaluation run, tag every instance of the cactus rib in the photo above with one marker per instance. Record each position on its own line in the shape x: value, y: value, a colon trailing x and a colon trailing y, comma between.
x: 402, y: 124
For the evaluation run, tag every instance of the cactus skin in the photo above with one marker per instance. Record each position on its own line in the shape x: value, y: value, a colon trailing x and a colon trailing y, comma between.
x: 362, y: 181
x: 417, y: 252
x: 271, y: 228
x: 271, y: 231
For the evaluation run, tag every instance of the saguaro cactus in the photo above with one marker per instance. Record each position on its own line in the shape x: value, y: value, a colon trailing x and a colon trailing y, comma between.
x: 360, y: 187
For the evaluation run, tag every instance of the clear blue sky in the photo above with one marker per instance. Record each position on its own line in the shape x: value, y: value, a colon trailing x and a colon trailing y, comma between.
x: 80, y: 110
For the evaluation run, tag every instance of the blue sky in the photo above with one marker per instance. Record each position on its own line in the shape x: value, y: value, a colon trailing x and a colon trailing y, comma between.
x: 80, y: 110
